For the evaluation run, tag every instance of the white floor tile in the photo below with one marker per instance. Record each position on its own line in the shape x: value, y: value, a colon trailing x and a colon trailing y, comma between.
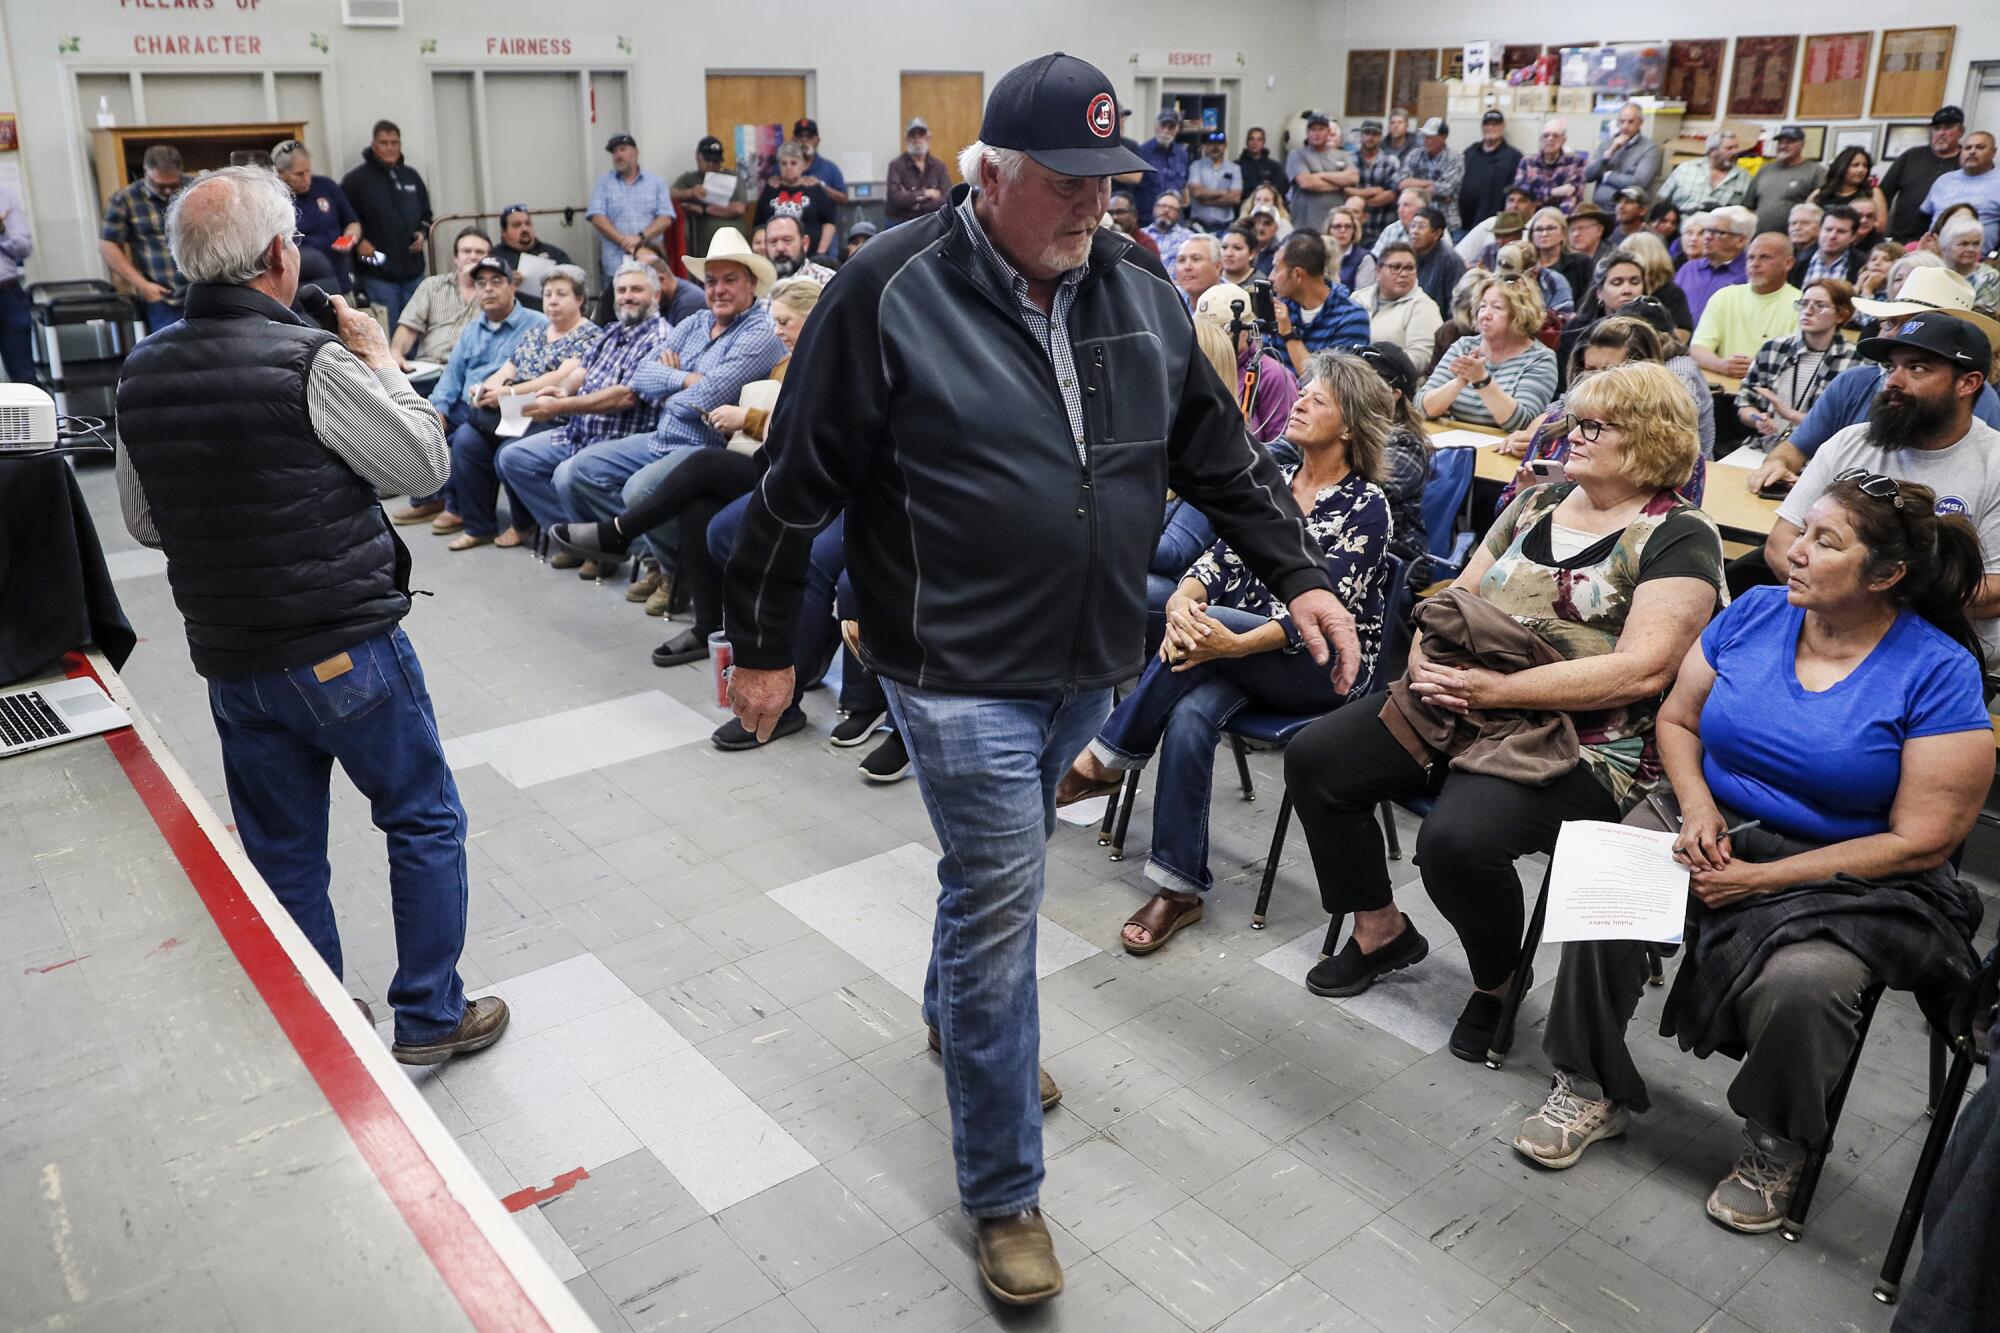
x: 614, y: 1041
x: 880, y: 911
x: 719, y: 1144
x: 518, y: 1073
x: 560, y: 993
x: 138, y: 563
x: 664, y: 1100
x: 574, y: 1131
x: 564, y: 744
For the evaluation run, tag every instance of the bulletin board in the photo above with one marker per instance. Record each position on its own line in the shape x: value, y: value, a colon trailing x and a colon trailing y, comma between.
x: 1413, y: 68
x: 1367, y: 83
x: 1835, y: 76
x: 1760, y: 85
x: 1916, y: 62
x: 1694, y: 74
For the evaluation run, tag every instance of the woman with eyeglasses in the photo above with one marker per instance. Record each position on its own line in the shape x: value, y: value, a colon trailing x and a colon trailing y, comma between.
x: 1828, y: 748
x: 325, y: 219
x: 1791, y: 372
x: 1601, y: 580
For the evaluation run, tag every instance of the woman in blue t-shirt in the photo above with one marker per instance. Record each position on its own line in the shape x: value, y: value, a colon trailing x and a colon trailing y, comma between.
x: 1845, y: 715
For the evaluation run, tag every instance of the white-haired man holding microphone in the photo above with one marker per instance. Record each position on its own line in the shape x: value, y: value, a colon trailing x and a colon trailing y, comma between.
x: 997, y: 395
x: 255, y: 448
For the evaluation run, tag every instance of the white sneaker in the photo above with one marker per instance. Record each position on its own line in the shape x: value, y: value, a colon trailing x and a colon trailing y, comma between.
x: 1556, y: 1135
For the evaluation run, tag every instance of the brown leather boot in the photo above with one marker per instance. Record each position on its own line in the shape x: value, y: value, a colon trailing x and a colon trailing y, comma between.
x: 1017, y: 1260
x: 485, y: 1019
x: 1051, y: 1094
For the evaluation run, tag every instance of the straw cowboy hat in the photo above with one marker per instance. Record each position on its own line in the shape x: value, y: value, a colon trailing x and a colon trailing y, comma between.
x: 728, y: 246
x: 1933, y: 289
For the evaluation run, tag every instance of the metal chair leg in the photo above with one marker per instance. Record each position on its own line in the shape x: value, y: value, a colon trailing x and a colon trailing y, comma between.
x: 1110, y: 814
x: 1656, y: 972
x: 1243, y: 767
x: 1948, y: 1101
x: 1271, y: 862
x: 1128, y: 796
x: 1389, y: 835
x: 1517, y: 989
x: 1794, y: 1225
x: 1938, y: 1055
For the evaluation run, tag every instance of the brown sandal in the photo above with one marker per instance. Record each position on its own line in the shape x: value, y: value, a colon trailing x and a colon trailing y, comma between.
x: 1162, y: 917
x: 1075, y: 787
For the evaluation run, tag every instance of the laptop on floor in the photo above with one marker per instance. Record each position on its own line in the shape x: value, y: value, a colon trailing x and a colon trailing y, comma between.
x: 62, y: 710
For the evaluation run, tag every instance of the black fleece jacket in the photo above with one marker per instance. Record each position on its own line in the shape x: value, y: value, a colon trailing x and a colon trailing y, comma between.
x: 393, y: 204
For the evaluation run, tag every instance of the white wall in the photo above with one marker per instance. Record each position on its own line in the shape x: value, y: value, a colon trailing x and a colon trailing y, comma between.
x: 854, y: 52
x: 1370, y: 24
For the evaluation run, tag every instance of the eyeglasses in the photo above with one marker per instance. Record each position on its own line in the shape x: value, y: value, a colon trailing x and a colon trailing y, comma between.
x: 1399, y: 268
x: 1816, y: 307
x: 1587, y: 430
x: 298, y: 238
x: 1873, y: 485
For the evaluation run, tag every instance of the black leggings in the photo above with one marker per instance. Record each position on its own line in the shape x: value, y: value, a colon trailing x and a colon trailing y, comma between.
x: 695, y: 492
x: 1339, y: 769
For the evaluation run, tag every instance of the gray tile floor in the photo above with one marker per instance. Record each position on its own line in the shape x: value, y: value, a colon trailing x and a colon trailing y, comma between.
x: 1231, y: 1153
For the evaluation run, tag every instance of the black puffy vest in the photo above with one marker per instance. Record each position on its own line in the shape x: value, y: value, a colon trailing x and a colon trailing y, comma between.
x: 278, y: 553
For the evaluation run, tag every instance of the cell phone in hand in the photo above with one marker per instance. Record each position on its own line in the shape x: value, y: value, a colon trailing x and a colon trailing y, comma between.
x: 1776, y: 490
x: 1547, y: 469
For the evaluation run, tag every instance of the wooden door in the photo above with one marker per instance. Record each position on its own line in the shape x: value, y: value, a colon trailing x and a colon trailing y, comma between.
x: 752, y: 99
x: 952, y: 105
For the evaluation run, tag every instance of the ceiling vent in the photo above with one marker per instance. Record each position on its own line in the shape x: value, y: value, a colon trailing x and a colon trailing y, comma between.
x: 372, y: 13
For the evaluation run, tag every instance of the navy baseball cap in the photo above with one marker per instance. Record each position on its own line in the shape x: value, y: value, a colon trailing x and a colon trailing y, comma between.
x: 1062, y: 112
x: 1941, y: 333
x: 708, y: 146
x: 620, y: 141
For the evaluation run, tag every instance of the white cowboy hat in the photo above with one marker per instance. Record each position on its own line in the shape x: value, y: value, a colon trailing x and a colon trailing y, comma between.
x: 1929, y: 288
x: 728, y: 246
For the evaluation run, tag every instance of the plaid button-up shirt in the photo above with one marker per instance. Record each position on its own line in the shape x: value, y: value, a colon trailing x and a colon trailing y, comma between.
x: 137, y: 218
x: 618, y: 355
x: 1781, y: 367
x: 1051, y: 330
x: 1538, y: 177
x: 745, y: 351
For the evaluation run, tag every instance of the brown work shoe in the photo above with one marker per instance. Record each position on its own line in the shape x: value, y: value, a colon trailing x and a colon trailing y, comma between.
x: 485, y: 1019
x: 660, y: 596
x: 422, y: 513
x: 1051, y: 1094
x: 1017, y: 1260
x: 564, y: 560
x: 645, y: 586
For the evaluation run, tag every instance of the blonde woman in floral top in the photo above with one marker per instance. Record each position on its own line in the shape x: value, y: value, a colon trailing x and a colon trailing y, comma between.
x: 1230, y: 644
x: 1618, y: 575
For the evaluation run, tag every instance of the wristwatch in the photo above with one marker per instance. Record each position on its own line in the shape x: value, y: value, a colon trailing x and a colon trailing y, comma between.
x: 1295, y: 337
x: 1480, y: 384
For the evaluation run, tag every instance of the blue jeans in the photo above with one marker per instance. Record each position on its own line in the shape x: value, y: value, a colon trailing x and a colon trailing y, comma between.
x: 1181, y: 715
x: 536, y: 472
x: 159, y: 314
x: 612, y: 474
x: 281, y: 734
x: 475, y: 483
x: 818, y: 631
x: 389, y: 293
x: 987, y: 769
x: 17, y: 332
x: 1185, y: 535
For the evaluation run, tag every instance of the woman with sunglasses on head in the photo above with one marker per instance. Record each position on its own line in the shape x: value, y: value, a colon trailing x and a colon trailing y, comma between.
x: 1812, y: 880
x: 1591, y: 589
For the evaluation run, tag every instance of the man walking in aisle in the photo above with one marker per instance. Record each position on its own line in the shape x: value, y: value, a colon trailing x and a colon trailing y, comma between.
x: 998, y: 531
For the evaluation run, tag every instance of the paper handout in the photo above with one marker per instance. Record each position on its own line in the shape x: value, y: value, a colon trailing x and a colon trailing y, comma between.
x: 1615, y: 882
x: 512, y: 423
x: 1464, y: 439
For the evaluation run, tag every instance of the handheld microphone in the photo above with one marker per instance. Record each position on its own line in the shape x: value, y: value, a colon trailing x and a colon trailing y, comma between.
x: 318, y: 307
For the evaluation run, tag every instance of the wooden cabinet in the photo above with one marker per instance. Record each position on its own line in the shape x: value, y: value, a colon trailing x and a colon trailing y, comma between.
x: 117, y: 152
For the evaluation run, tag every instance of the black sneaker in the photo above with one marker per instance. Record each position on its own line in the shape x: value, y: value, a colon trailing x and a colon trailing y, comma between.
x: 1351, y: 971
x: 732, y: 735
x: 857, y: 727
x: 1479, y: 1023
x: 889, y: 761
x: 687, y: 646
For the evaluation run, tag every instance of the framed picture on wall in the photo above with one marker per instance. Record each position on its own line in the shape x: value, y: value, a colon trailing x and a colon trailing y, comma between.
x: 1834, y: 75
x: 1864, y: 137
x: 1761, y: 83
x: 1896, y: 138
x: 1694, y: 74
x: 1454, y: 63
x: 1367, y: 83
x: 1910, y: 80
x: 1413, y: 70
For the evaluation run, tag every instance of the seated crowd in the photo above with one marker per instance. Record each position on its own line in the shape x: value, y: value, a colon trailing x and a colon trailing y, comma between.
x: 1595, y: 657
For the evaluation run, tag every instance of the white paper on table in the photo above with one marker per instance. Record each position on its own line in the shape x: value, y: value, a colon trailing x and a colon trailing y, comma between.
x: 1743, y: 456
x: 512, y: 423
x: 718, y: 187
x: 1614, y: 882
x: 1463, y: 439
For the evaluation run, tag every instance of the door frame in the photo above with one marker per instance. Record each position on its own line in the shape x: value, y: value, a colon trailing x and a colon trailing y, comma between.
x: 482, y: 158
x: 1975, y: 74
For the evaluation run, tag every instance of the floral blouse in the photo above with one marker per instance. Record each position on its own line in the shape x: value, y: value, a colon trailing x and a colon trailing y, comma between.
x: 1579, y: 605
x: 542, y: 349
x: 1350, y: 521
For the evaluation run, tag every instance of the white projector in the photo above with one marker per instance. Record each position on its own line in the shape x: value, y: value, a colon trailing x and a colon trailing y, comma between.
x: 27, y: 419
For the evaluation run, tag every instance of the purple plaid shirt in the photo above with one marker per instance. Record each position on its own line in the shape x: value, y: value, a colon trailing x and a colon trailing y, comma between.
x: 1538, y: 178
x: 617, y: 355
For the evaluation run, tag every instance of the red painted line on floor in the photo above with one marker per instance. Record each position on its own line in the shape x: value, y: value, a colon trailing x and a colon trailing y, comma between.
x: 43, y: 971
x: 487, y: 1290
x: 521, y: 1200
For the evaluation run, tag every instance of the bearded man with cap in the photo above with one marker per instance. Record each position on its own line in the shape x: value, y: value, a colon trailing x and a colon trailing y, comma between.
x: 918, y: 182
x: 997, y: 396
x: 1435, y: 168
x: 629, y: 207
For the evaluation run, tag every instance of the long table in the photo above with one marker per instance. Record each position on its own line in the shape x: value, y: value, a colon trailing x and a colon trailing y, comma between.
x: 1737, y: 510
